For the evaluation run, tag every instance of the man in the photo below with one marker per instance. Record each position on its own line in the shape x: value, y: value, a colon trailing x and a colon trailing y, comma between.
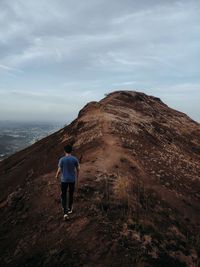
x: 68, y: 166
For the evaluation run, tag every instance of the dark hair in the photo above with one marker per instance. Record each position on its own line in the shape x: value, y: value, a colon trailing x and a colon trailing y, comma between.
x: 68, y: 148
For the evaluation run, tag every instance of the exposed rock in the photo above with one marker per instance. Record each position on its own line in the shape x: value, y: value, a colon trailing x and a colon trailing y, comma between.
x: 15, y: 198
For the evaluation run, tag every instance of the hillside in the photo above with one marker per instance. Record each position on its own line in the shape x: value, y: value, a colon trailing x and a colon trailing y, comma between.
x: 139, y: 198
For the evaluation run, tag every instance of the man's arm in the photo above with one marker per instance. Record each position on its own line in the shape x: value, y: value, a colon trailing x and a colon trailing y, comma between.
x: 58, y: 172
x: 59, y: 168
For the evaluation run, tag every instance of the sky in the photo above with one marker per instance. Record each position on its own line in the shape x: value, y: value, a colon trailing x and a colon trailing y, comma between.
x: 58, y: 55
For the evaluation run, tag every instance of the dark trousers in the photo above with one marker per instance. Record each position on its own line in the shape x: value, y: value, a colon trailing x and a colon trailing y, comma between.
x: 64, y: 187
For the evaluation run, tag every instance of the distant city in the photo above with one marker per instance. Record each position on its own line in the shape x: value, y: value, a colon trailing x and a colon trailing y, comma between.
x: 15, y: 136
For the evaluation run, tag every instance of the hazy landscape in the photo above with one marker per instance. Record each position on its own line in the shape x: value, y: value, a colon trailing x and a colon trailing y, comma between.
x: 15, y: 136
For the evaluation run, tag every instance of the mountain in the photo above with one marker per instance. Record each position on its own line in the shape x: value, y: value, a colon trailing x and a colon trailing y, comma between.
x: 138, y: 202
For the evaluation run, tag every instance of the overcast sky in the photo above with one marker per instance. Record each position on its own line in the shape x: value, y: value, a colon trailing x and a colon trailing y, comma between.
x: 57, y: 55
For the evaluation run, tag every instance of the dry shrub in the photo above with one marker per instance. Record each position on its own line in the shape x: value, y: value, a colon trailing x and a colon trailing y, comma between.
x: 121, y: 189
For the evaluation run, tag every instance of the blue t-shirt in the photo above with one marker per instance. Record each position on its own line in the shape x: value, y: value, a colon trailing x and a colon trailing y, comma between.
x: 68, y: 165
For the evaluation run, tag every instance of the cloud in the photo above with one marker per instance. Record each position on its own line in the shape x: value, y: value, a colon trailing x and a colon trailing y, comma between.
x: 10, y: 70
x: 76, y: 49
x: 61, y: 107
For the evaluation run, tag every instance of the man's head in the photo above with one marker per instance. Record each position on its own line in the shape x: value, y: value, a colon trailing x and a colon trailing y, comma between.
x: 68, y: 149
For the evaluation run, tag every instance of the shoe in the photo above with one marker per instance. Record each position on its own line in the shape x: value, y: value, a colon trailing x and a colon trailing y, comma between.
x: 65, y: 216
x: 69, y: 211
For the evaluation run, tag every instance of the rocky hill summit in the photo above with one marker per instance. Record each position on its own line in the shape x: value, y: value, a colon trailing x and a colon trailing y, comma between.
x: 138, y: 202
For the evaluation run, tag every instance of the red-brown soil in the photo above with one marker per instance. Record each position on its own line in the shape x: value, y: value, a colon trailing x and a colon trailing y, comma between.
x: 138, y: 202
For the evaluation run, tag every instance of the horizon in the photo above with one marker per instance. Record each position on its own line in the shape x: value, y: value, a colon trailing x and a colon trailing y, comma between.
x: 55, y: 57
x: 32, y: 121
